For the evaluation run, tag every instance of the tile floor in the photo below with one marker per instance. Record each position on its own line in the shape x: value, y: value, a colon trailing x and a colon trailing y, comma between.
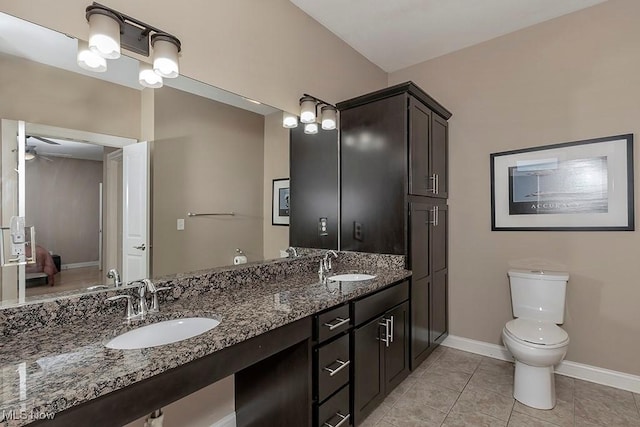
x: 456, y: 388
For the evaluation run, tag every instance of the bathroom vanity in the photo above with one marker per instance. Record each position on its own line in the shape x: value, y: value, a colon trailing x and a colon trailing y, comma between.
x: 266, y: 337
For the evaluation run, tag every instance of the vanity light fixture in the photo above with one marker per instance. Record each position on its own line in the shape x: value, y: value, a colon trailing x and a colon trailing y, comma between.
x: 311, y: 128
x: 308, y: 115
x: 328, y: 117
x: 110, y: 30
x: 89, y: 60
x: 289, y: 120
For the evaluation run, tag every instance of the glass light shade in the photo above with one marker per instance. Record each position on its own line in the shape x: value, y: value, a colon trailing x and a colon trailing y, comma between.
x: 104, y: 35
x: 89, y: 60
x: 289, y: 120
x: 147, y: 77
x: 329, y: 117
x: 29, y: 155
x: 307, y: 109
x: 165, y: 58
x: 311, y: 128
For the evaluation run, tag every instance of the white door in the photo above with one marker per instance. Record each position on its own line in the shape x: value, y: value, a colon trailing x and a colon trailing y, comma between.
x: 135, y: 216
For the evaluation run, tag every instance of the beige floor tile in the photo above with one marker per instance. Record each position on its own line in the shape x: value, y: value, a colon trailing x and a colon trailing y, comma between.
x: 497, y: 366
x: 407, y: 413
x: 486, y: 402
x: 493, y: 381
x: 561, y: 414
x: 564, y: 388
x: 446, y: 378
x: 637, y: 398
x: 471, y: 419
x: 607, y: 411
x: 521, y: 420
x: 598, y: 392
x: 376, y: 415
x: 384, y: 424
x: 435, y: 397
x: 583, y: 422
x: 458, y: 361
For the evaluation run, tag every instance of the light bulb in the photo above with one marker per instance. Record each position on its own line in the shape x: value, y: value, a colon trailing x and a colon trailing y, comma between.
x: 311, y: 128
x: 165, y: 55
x: 289, y: 120
x: 89, y: 60
x: 148, y: 78
x: 104, y: 33
x: 307, y: 109
x: 329, y: 115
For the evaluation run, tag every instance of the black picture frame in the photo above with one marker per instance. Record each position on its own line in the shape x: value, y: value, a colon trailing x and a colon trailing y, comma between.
x: 280, y: 203
x: 583, y: 185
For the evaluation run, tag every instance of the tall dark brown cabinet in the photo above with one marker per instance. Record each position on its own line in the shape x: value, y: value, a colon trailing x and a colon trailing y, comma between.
x: 394, y: 189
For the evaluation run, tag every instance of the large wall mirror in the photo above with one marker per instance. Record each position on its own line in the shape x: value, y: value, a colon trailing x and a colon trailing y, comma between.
x: 209, y: 152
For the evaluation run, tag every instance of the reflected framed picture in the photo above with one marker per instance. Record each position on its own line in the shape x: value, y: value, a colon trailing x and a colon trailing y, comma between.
x: 280, y: 202
x: 574, y: 186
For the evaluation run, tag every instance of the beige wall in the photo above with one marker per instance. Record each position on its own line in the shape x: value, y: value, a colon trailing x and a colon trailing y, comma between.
x: 47, y: 95
x: 572, y: 78
x: 266, y: 50
x: 276, y: 165
x: 208, y: 157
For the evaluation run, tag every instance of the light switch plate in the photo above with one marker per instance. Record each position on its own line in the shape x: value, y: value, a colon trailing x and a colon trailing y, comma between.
x: 180, y: 223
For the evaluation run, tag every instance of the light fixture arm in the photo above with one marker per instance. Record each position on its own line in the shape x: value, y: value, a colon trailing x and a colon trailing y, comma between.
x: 134, y: 34
x: 319, y: 101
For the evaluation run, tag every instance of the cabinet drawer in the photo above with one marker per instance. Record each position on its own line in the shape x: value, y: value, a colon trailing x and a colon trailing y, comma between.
x: 335, y: 411
x: 333, y: 367
x: 331, y: 323
x: 376, y: 304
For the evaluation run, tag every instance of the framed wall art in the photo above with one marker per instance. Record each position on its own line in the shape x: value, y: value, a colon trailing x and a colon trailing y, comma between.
x: 280, y: 202
x: 582, y: 185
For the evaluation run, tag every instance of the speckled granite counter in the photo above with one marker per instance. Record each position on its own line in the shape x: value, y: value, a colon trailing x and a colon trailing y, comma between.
x: 60, y: 365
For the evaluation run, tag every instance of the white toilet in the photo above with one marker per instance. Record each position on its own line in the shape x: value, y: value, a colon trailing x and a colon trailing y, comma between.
x: 534, y: 339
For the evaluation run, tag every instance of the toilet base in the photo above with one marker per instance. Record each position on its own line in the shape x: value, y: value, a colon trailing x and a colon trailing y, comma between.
x: 534, y: 386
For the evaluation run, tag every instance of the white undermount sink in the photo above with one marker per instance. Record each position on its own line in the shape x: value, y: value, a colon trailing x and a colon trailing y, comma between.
x: 162, y: 333
x: 350, y: 277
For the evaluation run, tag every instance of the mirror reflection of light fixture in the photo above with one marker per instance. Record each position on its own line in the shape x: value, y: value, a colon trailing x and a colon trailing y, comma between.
x: 289, y: 120
x: 89, y: 60
x: 110, y: 30
x: 30, y: 153
x: 328, y: 117
x: 165, y: 55
x: 307, y: 109
x: 311, y: 128
x: 147, y: 77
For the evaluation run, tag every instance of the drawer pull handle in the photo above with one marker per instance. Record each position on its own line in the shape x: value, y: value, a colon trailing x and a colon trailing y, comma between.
x: 332, y: 372
x: 343, y: 419
x: 339, y: 322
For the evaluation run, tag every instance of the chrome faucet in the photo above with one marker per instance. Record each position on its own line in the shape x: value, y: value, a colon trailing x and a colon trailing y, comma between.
x: 144, y: 286
x: 325, y: 264
x: 113, y: 274
x: 292, y: 252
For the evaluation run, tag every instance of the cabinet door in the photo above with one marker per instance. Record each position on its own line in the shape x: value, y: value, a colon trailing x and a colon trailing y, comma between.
x: 420, y: 311
x: 439, y: 307
x: 396, y: 360
x: 439, y: 232
x: 368, y: 386
x: 420, y: 182
x: 420, y: 234
x: 439, y: 157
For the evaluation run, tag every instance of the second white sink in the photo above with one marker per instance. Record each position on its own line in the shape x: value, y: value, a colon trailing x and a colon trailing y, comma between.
x: 351, y: 277
x: 162, y: 333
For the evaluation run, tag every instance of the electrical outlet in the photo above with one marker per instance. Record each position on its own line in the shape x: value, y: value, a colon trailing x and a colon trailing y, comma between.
x: 322, y: 227
x: 180, y: 223
x: 357, y: 231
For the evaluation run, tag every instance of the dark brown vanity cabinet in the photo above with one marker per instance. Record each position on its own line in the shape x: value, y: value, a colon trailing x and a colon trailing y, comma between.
x: 380, y: 347
x: 332, y: 368
x: 394, y: 186
x: 428, y: 239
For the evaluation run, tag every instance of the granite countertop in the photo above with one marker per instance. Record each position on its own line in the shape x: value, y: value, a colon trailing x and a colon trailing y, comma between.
x: 54, y: 368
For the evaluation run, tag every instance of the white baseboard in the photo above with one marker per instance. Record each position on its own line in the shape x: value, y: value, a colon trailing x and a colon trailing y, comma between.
x: 577, y: 370
x: 227, y: 421
x: 79, y: 265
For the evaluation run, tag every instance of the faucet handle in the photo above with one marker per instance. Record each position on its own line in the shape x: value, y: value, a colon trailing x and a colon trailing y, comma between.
x: 130, y: 314
x: 155, y: 307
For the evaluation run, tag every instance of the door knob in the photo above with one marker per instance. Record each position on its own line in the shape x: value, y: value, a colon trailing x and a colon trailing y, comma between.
x: 142, y: 247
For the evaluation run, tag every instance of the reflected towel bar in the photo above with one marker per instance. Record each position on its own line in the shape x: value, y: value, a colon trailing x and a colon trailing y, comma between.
x: 212, y: 214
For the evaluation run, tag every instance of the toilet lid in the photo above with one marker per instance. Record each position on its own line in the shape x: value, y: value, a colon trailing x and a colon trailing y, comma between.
x: 537, y: 332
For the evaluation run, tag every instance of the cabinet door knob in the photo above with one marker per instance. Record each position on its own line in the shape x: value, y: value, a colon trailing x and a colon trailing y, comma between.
x: 434, y: 217
x: 343, y: 419
x: 434, y: 179
x: 385, y: 340
x: 341, y: 366
x: 336, y: 323
x: 391, y: 326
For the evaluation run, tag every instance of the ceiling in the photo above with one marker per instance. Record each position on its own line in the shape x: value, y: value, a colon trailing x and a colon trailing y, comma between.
x: 71, y: 149
x: 394, y: 34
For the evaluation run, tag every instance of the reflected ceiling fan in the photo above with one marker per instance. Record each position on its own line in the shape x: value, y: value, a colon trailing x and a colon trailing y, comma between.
x: 30, y: 152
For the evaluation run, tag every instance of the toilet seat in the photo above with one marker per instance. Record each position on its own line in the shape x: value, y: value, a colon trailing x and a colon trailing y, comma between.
x: 537, y: 333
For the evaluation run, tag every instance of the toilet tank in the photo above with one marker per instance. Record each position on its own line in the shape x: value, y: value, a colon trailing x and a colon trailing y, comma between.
x: 538, y: 295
